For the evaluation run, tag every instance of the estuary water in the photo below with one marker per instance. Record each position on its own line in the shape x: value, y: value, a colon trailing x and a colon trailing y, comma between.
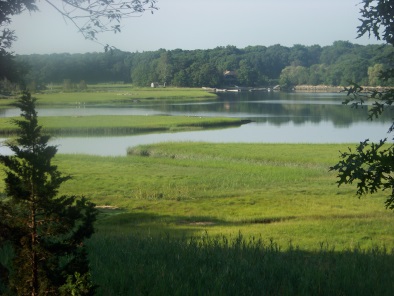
x: 276, y: 118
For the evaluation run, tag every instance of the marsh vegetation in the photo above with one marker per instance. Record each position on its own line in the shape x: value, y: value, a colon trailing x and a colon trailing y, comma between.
x: 225, y: 219
x: 231, y: 219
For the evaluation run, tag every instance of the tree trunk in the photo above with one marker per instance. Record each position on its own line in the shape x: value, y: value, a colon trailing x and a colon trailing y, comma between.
x: 34, y: 271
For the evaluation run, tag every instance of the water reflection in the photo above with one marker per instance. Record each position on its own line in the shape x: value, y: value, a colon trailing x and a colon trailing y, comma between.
x: 324, y: 132
x: 278, y: 118
x: 274, y: 108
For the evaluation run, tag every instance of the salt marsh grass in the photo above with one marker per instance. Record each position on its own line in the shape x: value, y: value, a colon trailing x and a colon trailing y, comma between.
x: 281, y: 191
x: 125, y: 264
x: 231, y: 219
x: 117, y: 94
x: 119, y: 125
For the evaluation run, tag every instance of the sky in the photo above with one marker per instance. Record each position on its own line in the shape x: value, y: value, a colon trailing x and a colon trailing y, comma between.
x: 199, y: 24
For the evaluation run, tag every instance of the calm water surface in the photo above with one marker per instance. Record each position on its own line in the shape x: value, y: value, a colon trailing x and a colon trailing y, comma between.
x: 277, y: 118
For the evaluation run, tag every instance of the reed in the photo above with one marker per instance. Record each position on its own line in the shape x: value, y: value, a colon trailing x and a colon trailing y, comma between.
x: 128, y: 264
x: 231, y: 219
x: 284, y: 192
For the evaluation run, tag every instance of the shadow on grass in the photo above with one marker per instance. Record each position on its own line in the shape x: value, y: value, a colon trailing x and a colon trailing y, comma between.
x: 167, y: 265
x: 143, y: 253
x: 119, y: 221
x: 119, y: 217
x: 142, y: 223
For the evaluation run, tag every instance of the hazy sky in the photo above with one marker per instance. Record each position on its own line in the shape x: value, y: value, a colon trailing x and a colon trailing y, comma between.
x: 200, y: 24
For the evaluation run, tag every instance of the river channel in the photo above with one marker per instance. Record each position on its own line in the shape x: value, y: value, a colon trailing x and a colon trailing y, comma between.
x: 276, y: 118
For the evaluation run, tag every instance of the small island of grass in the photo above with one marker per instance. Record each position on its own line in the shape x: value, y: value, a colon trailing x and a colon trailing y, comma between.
x: 120, y: 125
x: 105, y: 94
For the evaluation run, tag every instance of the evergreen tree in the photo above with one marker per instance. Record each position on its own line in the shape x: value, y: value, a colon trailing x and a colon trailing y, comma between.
x: 45, y: 231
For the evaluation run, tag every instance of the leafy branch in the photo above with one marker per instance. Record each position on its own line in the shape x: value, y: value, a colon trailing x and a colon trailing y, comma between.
x: 93, y: 17
x: 88, y: 16
x: 371, y: 166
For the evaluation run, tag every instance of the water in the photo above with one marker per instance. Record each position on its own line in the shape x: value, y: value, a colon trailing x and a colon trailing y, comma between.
x: 277, y: 118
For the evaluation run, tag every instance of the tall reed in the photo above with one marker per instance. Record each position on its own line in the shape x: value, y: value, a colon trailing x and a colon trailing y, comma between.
x: 131, y: 264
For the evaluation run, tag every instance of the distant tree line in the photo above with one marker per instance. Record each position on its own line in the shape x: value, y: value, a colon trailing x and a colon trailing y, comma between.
x: 335, y: 65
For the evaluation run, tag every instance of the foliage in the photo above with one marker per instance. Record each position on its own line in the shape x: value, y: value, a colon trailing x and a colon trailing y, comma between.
x: 93, y: 17
x: 77, y: 285
x: 293, y: 75
x: 374, y: 76
x: 336, y: 64
x: 9, y: 69
x: 7, y: 10
x: 45, y: 231
x: 377, y: 18
x: 372, y: 165
x: 90, y: 18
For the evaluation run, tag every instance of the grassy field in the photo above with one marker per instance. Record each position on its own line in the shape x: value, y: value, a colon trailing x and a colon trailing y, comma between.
x: 231, y: 219
x: 117, y: 94
x: 130, y: 265
x: 115, y: 125
x: 284, y: 192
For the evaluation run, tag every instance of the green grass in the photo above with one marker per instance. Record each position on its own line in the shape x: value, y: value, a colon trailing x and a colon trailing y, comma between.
x: 284, y: 192
x: 231, y: 219
x: 125, y: 264
x: 110, y: 125
x: 104, y: 94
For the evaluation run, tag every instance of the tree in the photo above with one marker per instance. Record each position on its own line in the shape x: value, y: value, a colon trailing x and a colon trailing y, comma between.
x: 164, y: 68
x: 45, y: 231
x: 299, y: 55
x: 141, y: 74
x: 7, y: 10
x: 330, y: 54
x: 247, y: 75
x: 377, y: 18
x: 348, y: 68
x: 205, y: 75
x: 374, y: 74
x: 371, y: 166
x: 293, y: 75
x: 91, y: 17
x: 317, y: 73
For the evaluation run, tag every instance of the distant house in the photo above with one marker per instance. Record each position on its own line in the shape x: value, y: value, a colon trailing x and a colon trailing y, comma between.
x: 229, y: 73
x: 230, y: 77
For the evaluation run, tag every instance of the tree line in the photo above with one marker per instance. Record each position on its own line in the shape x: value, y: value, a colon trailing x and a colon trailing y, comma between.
x: 335, y: 65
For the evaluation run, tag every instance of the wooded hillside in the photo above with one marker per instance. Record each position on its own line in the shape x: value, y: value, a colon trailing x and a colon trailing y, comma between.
x: 222, y: 66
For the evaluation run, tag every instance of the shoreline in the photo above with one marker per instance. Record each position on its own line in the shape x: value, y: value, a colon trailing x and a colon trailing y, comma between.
x: 330, y: 88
